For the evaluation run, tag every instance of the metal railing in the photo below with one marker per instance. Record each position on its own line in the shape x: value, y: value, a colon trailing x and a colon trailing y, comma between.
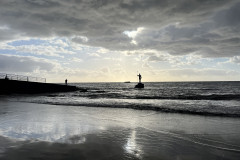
x: 22, y: 78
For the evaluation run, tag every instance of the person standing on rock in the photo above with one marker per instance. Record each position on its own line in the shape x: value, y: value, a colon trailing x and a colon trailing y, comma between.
x: 139, y: 77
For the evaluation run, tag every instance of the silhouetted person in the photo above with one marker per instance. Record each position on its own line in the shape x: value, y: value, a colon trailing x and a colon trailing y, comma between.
x: 66, y: 81
x: 6, y: 78
x: 140, y: 77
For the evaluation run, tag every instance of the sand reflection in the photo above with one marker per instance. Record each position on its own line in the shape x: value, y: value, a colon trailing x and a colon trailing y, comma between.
x: 46, y: 123
x: 65, y: 132
x: 131, y: 146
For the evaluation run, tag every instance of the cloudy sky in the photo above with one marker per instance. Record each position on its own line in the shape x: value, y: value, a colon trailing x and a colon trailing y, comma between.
x: 110, y: 41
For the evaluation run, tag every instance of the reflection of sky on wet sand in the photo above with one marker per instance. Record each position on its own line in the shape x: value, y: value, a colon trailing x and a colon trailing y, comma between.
x: 51, y: 123
x: 129, y: 133
x: 131, y: 146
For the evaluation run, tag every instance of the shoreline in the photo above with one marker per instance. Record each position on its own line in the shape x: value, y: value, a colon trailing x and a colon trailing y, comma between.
x: 146, y: 107
x: 65, y: 131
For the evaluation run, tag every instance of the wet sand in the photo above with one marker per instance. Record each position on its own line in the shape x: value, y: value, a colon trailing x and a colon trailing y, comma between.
x: 39, y: 131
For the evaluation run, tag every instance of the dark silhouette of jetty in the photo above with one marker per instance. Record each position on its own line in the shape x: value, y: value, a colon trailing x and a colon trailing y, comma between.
x: 140, y: 84
x: 31, y: 85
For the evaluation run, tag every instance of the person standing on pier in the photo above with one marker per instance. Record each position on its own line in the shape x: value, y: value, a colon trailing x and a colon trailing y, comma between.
x: 6, y: 77
x: 66, y: 81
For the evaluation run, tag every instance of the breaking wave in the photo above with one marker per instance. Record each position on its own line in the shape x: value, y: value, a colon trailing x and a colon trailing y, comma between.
x: 202, y: 98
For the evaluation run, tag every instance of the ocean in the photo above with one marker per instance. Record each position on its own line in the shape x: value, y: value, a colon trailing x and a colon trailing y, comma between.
x: 165, y: 120
x: 205, y: 98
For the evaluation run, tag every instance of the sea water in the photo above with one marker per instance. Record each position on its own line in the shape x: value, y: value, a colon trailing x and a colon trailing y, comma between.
x: 177, y: 120
x: 206, y: 98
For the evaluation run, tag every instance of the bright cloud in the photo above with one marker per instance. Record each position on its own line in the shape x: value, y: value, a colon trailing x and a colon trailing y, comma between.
x: 24, y: 64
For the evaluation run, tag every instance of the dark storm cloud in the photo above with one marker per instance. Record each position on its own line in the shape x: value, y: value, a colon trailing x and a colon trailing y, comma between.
x: 23, y: 64
x: 6, y: 34
x: 206, y: 27
x: 229, y: 17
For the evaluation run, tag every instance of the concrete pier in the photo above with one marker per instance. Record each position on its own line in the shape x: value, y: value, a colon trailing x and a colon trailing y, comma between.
x: 24, y: 87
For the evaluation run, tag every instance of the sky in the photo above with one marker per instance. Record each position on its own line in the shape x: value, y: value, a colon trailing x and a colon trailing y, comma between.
x: 113, y: 40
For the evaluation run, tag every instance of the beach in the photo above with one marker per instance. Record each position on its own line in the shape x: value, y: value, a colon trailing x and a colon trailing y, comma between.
x: 43, y: 131
x: 119, y: 80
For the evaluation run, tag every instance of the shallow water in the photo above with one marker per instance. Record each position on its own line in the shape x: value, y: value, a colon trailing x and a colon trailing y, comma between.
x: 40, y: 131
x: 202, y: 98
